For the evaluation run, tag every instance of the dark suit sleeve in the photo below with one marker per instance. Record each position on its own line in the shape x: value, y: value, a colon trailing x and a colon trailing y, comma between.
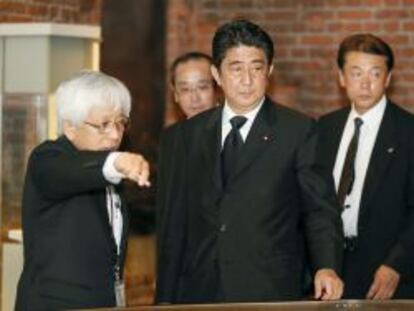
x: 171, y: 215
x: 401, y: 255
x: 59, y: 174
x: 322, y: 221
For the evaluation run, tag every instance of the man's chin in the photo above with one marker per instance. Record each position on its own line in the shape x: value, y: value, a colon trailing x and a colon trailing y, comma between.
x: 110, y: 149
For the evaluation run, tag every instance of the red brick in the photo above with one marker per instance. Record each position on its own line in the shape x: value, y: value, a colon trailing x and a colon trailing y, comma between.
x: 279, y: 27
x: 285, y: 40
x: 345, y: 27
x: 391, y: 26
x: 231, y: 4
x: 407, y: 77
x: 37, y: 10
x: 396, y: 39
x: 406, y: 52
x: 408, y: 26
x: 322, y: 53
x: 14, y: 7
x: 298, y: 27
x: 392, y: 2
x: 299, y: 52
x: 316, y: 39
x: 393, y: 14
x: 371, y: 27
x: 372, y: 3
x: 318, y: 16
x: 358, y: 15
x: 280, y: 15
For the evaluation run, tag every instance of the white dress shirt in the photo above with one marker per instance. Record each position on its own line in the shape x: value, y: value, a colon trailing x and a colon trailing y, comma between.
x: 368, y: 134
x: 245, y: 129
x: 113, y: 201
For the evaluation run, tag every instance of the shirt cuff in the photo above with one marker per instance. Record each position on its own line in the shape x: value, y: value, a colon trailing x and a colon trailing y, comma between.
x: 109, y: 171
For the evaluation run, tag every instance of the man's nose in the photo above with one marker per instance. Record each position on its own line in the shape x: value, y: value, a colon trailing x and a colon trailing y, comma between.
x: 195, y: 94
x: 365, y: 82
x: 115, y: 133
x: 246, y: 77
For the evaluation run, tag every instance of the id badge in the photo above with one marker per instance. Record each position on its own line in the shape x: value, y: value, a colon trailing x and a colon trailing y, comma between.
x: 120, y: 293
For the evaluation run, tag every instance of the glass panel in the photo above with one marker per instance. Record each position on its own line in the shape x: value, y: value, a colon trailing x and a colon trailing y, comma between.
x: 24, y: 125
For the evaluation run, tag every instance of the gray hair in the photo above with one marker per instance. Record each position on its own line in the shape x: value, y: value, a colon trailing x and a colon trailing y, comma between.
x: 87, y: 89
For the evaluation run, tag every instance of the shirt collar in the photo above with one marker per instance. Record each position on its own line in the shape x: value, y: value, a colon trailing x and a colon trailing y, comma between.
x: 251, y: 115
x: 373, y: 116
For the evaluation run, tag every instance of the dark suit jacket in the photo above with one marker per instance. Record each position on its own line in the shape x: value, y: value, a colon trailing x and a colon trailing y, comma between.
x: 386, y: 219
x: 69, y: 250
x: 246, y: 242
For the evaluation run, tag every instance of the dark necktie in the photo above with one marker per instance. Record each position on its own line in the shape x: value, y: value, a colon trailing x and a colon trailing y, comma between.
x: 348, y: 170
x: 232, y: 146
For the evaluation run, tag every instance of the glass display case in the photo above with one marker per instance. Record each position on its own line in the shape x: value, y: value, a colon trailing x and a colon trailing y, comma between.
x: 24, y: 125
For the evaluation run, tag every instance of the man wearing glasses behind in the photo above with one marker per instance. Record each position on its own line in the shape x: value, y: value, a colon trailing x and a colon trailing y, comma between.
x: 192, y: 84
x: 194, y: 91
x: 74, y: 216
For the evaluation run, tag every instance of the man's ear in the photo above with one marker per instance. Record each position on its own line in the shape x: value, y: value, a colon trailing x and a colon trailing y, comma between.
x: 216, y: 74
x: 341, y: 78
x: 270, y: 71
x: 174, y: 92
x: 69, y: 129
x: 388, y: 81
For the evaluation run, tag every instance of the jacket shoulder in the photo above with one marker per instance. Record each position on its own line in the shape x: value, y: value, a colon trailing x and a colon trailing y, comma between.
x: 291, y: 114
x: 401, y: 112
x: 334, y: 115
x: 49, y: 146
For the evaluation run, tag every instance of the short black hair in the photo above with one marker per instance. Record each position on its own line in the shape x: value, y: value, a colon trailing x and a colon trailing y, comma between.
x: 184, y: 58
x: 366, y: 43
x: 237, y: 33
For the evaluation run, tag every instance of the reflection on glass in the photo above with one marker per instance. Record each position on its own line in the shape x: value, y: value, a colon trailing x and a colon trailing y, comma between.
x: 24, y: 125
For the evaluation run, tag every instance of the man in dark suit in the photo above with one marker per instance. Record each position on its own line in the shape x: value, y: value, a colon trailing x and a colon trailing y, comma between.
x: 194, y: 91
x: 369, y: 149
x: 244, y: 200
x: 74, y: 218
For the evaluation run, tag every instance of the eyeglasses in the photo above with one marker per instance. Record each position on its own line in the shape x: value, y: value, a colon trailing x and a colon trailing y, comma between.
x: 104, y: 128
x: 185, y: 90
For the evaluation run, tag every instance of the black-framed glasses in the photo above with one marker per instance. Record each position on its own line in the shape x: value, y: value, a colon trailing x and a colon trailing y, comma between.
x: 120, y: 125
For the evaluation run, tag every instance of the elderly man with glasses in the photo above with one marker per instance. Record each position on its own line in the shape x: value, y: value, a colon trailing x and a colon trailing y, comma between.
x: 74, y: 216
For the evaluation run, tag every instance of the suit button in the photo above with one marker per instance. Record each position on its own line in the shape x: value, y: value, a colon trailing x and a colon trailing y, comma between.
x: 223, y: 228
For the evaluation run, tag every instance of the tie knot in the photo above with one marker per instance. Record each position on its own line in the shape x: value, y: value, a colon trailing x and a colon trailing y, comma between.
x: 358, y: 122
x: 237, y: 122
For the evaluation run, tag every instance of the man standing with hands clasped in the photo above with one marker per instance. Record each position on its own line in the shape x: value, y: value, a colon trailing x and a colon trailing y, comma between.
x: 369, y: 149
x: 246, y: 197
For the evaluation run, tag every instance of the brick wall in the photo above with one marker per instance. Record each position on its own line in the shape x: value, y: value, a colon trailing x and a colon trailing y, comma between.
x: 58, y: 11
x: 306, y: 35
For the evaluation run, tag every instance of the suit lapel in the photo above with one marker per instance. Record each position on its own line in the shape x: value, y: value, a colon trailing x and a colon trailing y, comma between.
x: 125, y: 222
x: 261, y: 134
x: 212, y: 148
x: 102, y: 206
x: 384, y: 149
x: 333, y: 137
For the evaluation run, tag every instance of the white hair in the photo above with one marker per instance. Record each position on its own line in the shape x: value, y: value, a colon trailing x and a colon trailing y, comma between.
x: 87, y: 89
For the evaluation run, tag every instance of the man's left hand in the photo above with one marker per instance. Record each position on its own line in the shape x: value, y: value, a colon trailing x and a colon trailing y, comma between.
x: 385, y: 283
x: 328, y: 286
